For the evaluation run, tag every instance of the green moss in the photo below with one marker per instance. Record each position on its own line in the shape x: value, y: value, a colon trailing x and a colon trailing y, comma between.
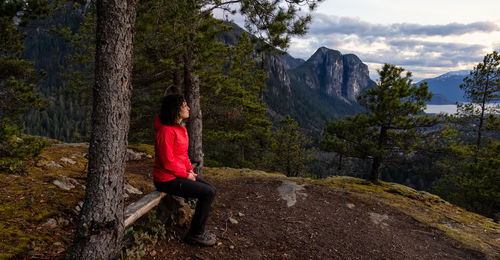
x: 26, y: 202
x: 145, y: 148
x: 226, y: 172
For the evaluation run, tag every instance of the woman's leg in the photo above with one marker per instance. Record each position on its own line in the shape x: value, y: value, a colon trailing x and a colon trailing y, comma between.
x: 199, y: 189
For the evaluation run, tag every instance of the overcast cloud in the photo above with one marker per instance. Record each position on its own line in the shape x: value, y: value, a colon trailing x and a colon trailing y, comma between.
x: 422, y: 49
x: 325, y: 25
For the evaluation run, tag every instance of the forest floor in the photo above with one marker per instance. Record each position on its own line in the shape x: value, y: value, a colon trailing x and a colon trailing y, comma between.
x: 323, y: 224
x: 255, y: 215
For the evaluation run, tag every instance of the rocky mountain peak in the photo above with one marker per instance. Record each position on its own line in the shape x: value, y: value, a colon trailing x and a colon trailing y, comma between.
x: 334, y: 74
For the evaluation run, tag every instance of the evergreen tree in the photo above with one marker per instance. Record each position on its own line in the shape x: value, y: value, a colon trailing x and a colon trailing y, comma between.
x: 470, y: 142
x: 236, y: 130
x: 18, y: 80
x: 289, y: 148
x: 389, y: 125
x: 482, y: 87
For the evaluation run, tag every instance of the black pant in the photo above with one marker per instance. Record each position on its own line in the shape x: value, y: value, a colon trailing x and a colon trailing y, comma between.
x: 200, y: 189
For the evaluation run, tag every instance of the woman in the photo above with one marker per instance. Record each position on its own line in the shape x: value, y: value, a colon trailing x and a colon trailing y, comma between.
x: 173, y: 173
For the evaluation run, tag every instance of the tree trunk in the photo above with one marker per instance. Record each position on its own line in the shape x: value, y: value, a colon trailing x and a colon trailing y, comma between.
x: 377, y: 160
x: 481, y: 121
x: 194, y: 124
x: 192, y: 94
x: 375, y: 172
x: 100, y: 227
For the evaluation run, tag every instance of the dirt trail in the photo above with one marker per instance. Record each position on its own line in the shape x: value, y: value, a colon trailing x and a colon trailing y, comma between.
x: 322, y: 224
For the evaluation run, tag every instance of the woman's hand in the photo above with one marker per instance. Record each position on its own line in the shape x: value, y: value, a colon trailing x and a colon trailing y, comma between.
x: 192, y: 175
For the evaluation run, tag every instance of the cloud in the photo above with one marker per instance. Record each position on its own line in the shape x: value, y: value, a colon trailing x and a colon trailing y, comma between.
x: 325, y: 24
x: 419, y: 48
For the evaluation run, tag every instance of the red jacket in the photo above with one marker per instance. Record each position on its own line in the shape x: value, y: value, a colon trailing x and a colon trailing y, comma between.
x: 171, y: 152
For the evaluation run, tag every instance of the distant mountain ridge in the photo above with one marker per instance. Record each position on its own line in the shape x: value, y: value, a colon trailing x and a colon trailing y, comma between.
x: 446, y: 87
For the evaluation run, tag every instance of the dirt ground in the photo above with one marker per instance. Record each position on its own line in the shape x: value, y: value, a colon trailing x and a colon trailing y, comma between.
x: 323, y: 224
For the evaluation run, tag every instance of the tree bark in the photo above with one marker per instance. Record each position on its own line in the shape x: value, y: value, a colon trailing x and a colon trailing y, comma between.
x: 377, y: 160
x: 194, y: 124
x: 100, y: 227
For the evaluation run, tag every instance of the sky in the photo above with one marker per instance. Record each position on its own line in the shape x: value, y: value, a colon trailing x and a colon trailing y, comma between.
x: 426, y: 37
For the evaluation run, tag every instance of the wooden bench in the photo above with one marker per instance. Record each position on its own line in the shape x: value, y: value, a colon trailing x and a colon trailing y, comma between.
x: 137, y: 209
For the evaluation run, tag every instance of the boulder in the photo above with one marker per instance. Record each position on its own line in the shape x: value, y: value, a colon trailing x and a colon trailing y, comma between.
x: 173, y: 211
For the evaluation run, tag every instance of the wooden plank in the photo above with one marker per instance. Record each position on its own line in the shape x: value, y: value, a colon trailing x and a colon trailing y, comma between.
x: 142, y: 206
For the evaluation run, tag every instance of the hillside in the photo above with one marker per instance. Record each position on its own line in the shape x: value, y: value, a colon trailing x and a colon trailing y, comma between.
x: 446, y: 87
x: 336, y: 217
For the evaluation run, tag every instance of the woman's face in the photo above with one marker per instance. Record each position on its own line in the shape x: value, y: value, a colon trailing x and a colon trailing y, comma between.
x: 184, y: 113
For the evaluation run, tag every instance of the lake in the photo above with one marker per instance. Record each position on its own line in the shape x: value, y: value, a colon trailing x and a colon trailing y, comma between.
x: 449, y: 109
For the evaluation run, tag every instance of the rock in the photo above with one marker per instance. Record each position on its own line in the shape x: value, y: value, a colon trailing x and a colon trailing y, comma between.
x: 79, y: 206
x: 289, y: 191
x: 67, y: 160
x: 62, y: 221
x: 173, y: 211
x: 233, y: 221
x: 53, y: 164
x: 231, y: 247
x: 241, y: 214
x: 378, y: 218
x: 131, y: 189
x: 50, y: 223
x: 41, y: 163
x: 153, y: 253
x: 63, y: 184
x: 133, y: 156
x: 350, y: 205
x: 335, y: 75
x: 149, y: 156
x: 57, y: 243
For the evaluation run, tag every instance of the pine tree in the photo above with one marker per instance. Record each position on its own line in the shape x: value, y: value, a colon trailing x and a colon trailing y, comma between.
x: 236, y: 130
x: 18, y: 80
x: 470, y: 176
x: 289, y: 148
x: 389, y: 125
x: 482, y: 87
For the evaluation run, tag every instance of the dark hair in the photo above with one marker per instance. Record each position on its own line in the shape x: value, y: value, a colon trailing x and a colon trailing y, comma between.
x: 171, y: 108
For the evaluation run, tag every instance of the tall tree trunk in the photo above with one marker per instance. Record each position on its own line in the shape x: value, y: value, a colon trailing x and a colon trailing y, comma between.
x: 192, y: 94
x: 481, y: 120
x: 194, y: 125
x: 100, y: 227
x: 375, y: 171
x: 377, y: 160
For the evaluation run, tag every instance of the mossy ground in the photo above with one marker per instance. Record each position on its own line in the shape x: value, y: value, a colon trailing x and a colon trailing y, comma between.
x: 28, y: 201
x: 471, y: 229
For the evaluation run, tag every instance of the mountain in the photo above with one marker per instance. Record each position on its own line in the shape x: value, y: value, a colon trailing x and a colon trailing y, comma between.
x: 334, y: 74
x: 446, y: 87
x: 322, y: 88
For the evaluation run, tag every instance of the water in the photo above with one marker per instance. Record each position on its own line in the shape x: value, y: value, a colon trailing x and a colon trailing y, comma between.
x: 449, y: 109
x: 436, y: 109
